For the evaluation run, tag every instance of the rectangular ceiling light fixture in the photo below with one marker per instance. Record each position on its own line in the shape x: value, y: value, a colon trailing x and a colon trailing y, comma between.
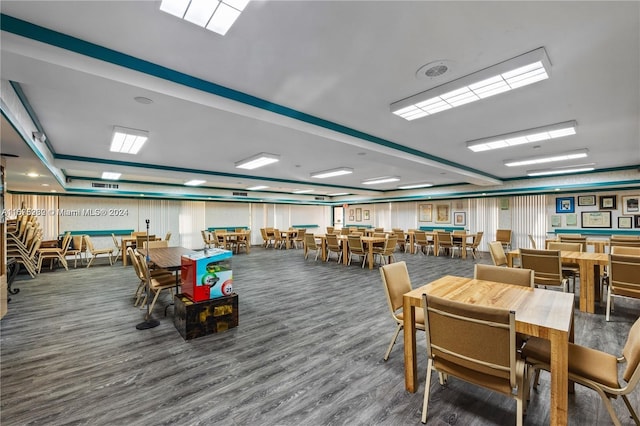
x: 128, y: 141
x: 537, y: 134
x: 214, y: 15
x: 111, y: 175
x: 517, y: 72
x: 303, y: 191
x: 384, y: 179
x: 332, y: 173
x: 336, y: 194
x: 562, y: 170
x: 258, y: 160
x: 257, y: 187
x: 571, y: 155
x: 415, y: 185
x: 194, y: 182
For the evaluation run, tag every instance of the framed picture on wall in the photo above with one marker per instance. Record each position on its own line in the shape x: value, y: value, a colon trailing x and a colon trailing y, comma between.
x: 565, y: 205
x: 443, y: 214
x: 572, y: 219
x: 459, y: 218
x: 625, y: 222
x: 608, y: 202
x: 366, y: 214
x: 636, y: 220
x: 587, y: 200
x: 358, y: 215
x: 631, y: 204
x: 596, y: 219
x: 556, y: 221
x: 425, y: 212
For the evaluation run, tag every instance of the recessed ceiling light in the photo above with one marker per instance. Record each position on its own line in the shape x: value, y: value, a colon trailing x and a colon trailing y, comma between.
x: 111, y: 175
x: 303, y: 191
x: 216, y: 16
x: 524, y: 136
x: 257, y: 187
x: 256, y: 161
x: 33, y: 175
x: 335, y: 194
x: 384, y: 179
x: 562, y: 170
x: 332, y: 173
x: 415, y: 185
x: 128, y: 141
x: 195, y: 182
x: 45, y: 184
x: 572, y: 155
x: 143, y: 100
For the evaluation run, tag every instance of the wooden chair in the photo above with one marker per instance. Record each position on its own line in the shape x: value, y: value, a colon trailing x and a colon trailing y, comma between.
x: 547, y: 265
x: 155, y: 244
x: 421, y: 243
x: 573, y: 239
x: 401, y: 239
x: 310, y: 244
x: 385, y: 253
x: 141, y: 239
x: 595, y: 369
x: 242, y: 241
x: 497, y: 253
x: 155, y: 284
x: 159, y: 274
x: 167, y: 236
x: 330, y: 229
x: 515, y: 276
x: 476, y: 344
x: 569, y: 270
x: 396, y: 282
x: 266, y: 239
x: 477, y: 239
x: 532, y: 241
x: 206, y: 238
x: 278, y: 241
x: 57, y: 253
x: 445, y: 241
x: 77, y: 250
x: 95, y: 252
x: 623, y: 241
x: 300, y: 237
x: 333, y: 246
x: 356, y: 248
x: 624, y: 278
x: 504, y: 236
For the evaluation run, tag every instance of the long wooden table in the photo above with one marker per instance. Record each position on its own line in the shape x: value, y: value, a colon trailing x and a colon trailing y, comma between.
x: 541, y: 313
x: 366, y: 241
x: 124, y: 243
x: 169, y: 258
x: 589, y: 264
x: 597, y: 244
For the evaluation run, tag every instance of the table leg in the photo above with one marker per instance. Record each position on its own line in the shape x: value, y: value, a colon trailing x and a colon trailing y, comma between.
x: 412, y: 240
x: 559, y: 377
x: 345, y: 253
x: 587, y: 285
x: 323, y: 246
x: 509, y: 259
x: 370, y: 255
x: 410, y: 360
x: 463, y: 247
x: 123, y: 250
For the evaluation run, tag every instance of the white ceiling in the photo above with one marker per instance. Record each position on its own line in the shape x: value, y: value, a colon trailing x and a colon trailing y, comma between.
x: 339, y: 64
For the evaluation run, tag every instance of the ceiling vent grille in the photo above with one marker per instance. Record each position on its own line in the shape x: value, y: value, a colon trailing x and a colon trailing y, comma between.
x: 240, y: 194
x: 104, y: 185
x: 319, y: 198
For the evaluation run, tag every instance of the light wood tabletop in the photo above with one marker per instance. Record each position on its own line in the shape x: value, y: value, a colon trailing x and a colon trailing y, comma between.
x: 542, y: 313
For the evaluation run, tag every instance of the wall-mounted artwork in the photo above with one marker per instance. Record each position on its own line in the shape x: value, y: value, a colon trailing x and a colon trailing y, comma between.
x: 596, y: 219
x: 459, y: 218
x: 443, y: 214
x: 608, y: 202
x: 358, y: 215
x: 572, y: 219
x: 587, y: 200
x: 556, y: 221
x: 425, y: 212
x: 366, y: 215
x: 565, y: 205
x: 625, y: 222
x: 631, y: 204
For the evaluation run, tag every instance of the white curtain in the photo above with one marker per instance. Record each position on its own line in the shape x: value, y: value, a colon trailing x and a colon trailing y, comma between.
x: 528, y: 216
x: 46, y: 207
x: 483, y: 216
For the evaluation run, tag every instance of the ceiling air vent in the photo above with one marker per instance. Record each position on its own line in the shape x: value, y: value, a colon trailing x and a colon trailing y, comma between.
x: 104, y: 185
x: 320, y: 198
x: 239, y: 194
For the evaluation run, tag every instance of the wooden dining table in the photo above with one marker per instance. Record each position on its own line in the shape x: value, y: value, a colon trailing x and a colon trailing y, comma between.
x: 231, y: 239
x: 126, y: 242
x: 169, y: 258
x: 589, y: 264
x: 542, y: 313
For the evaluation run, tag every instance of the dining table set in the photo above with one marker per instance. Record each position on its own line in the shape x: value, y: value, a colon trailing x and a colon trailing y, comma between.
x: 369, y: 242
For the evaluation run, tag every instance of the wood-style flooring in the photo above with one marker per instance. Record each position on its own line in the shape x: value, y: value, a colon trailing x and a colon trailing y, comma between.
x: 308, y: 351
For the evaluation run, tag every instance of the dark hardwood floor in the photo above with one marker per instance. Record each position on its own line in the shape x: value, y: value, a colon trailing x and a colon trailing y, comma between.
x: 308, y: 351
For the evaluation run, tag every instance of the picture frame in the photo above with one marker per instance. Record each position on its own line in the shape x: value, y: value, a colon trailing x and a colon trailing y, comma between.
x: 443, y: 213
x: 358, y: 215
x: 459, y: 218
x: 608, y: 202
x: 636, y: 220
x: 599, y: 219
x: 366, y: 215
x: 631, y: 204
x: 572, y: 219
x: 565, y: 205
x: 425, y: 212
x: 556, y: 221
x: 586, y: 200
x: 625, y: 222
x: 504, y: 203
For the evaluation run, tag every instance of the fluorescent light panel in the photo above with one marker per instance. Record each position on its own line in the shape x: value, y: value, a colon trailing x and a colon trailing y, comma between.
x: 332, y: 173
x: 216, y: 16
x: 303, y: 191
x: 111, y: 175
x: 384, y: 179
x: 571, y: 155
x: 537, y: 134
x: 128, y: 141
x: 415, y: 185
x: 562, y: 170
x: 257, y: 187
x: 258, y: 160
x: 335, y: 194
x: 517, y: 72
x: 195, y: 182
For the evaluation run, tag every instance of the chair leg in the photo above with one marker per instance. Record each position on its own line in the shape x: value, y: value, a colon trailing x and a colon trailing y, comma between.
x: 427, y: 387
x: 393, y: 342
x: 631, y: 410
x: 608, y: 303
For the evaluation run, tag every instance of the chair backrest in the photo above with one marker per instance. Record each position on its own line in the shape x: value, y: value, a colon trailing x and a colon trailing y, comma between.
x: 629, y: 251
x: 565, y: 246
x: 378, y: 229
x: 355, y: 243
x: 66, y: 241
x: 515, y: 276
x: 503, y: 235
x: 310, y: 242
x: 263, y: 232
x: 532, y: 241
x: 444, y: 238
x: 332, y: 242
x: 138, y: 233
x: 396, y: 282
x: 420, y: 237
x: 624, y: 275
x: 379, y: 234
x: 115, y: 240
x: 141, y: 239
x: 155, y: 244
x: 575, y: 239
x: 344, y: 231
x: 477, y: 343
x: 497, y: 253
x: 88, y: 243
x: 134, y: 262
x: 167, y: 237
x: 459, y: 232
x: 78, y: 243
x: 631, y: 353
x: 624, y: 242
x: 301, y: 232
x: 390, y: 245
x: 477, y: 239
x: 547, y: 265
x: 330, y: 229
